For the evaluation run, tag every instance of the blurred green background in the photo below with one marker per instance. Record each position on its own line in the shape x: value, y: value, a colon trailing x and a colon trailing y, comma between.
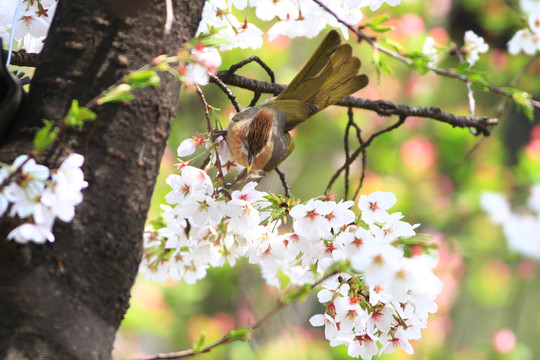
x: 437, y: 172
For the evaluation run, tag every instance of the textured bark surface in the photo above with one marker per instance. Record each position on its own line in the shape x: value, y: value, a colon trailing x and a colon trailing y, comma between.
x: 65, y: 300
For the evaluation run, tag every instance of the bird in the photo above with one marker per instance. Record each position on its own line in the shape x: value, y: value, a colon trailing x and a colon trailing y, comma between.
x: 258, y: 137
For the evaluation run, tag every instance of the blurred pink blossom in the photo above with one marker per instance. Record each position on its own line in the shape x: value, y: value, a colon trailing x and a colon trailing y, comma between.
x: 504, y: 341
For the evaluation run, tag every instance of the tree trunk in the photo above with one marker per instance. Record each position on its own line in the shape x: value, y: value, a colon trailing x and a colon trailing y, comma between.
x: 65, y: 300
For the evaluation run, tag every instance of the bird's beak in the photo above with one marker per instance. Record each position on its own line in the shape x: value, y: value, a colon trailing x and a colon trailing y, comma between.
x: 251, y: 160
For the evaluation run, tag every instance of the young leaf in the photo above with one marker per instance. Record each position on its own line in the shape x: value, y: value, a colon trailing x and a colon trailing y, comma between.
x: 378, y: 20
x: 522, y: 101
x: 419, y: 62
x: 45, y: 136
x: 76, y: 115
x: 296, y: 294
x: 241, y: 334
x: 118, y: 93
x: 377, y: 64
x: 200, y: 343
x: 143, y: 78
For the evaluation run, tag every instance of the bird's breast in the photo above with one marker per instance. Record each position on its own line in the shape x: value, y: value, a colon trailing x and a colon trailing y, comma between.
x: 236, y: 136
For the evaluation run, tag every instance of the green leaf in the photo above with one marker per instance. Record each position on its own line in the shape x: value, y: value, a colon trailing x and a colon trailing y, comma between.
x: 376, y: 60
x: 284, y: 279
x: 378, y: 20
x: 477, y: 78
x: 76, y: 115
x: 381, y: 28
x: 521, y: 99
x: 200, y: 343
x: 419, y: 62
x: 394, y: 44
x: 46, y: 135
x: 241, y: 334
x: 118, y: 93
x: 296, y: 294
x: 143, y: 78
x: 210, y: 37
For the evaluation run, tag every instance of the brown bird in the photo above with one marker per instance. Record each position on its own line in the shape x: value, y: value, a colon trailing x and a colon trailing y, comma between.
x: 258, y: 137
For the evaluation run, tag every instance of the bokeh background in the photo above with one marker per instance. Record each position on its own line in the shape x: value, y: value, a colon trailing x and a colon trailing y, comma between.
x: 489, y: 307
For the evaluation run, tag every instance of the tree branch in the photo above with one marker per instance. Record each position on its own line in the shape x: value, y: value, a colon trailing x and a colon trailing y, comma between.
x: 381, y: 107
x: 22, y: 58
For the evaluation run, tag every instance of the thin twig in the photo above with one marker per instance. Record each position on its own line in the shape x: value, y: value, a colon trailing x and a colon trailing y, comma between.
x: 258, y: 60
x: 227, y: 339
x: 364, y: 160
x: 284, y: 182
x: 210, y: 131
x: 256, y: 97
x: 362, y: 174
x: 470, y: 95
x: 346, y: 149
x: 169, y: 18
x: 355, y: 30
x: 226, y: 90
x: 513, y: 82
x: 361, y: 148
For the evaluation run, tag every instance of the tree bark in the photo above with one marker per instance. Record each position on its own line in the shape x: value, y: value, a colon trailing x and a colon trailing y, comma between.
x: 65, y: 300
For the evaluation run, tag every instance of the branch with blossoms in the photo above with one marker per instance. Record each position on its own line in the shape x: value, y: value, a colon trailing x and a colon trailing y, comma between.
x: 474, y: 45
x: 381, y: 287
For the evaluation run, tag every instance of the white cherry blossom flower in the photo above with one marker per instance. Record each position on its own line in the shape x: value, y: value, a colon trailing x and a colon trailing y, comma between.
x: 330, y: 327
x: 474, y: 45
x: 374, y: 206
x: 431, y: 51
x: 311, y: 219
x: 38, y: 233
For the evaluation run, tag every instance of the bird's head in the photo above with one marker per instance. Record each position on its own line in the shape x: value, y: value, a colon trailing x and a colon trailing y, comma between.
x: 258, y: 135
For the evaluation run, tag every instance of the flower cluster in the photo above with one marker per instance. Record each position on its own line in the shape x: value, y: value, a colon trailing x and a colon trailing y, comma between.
x: 293, y: 18
x: 32, y: 191
x: 32, y: 22
x: 521, y: 228
x: 379, y: 300
x: 385, y: 300
x: 528, y: 39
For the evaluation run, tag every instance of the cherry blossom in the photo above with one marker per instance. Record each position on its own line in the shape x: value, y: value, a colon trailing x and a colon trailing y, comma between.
x: 519, y: 227
x: 431, y: 51
x: 474, y: 45
x: 374, y: 206
x: 40, y: 195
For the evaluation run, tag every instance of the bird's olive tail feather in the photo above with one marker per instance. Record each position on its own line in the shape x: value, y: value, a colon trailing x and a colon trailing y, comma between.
x: 330, y: 75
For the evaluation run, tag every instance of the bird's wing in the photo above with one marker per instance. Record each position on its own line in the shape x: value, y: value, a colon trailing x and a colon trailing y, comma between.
x: 296, y: 111
x: 283, y: 147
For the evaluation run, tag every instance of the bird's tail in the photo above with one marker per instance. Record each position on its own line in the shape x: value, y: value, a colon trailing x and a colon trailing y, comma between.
x: 330, y: 75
